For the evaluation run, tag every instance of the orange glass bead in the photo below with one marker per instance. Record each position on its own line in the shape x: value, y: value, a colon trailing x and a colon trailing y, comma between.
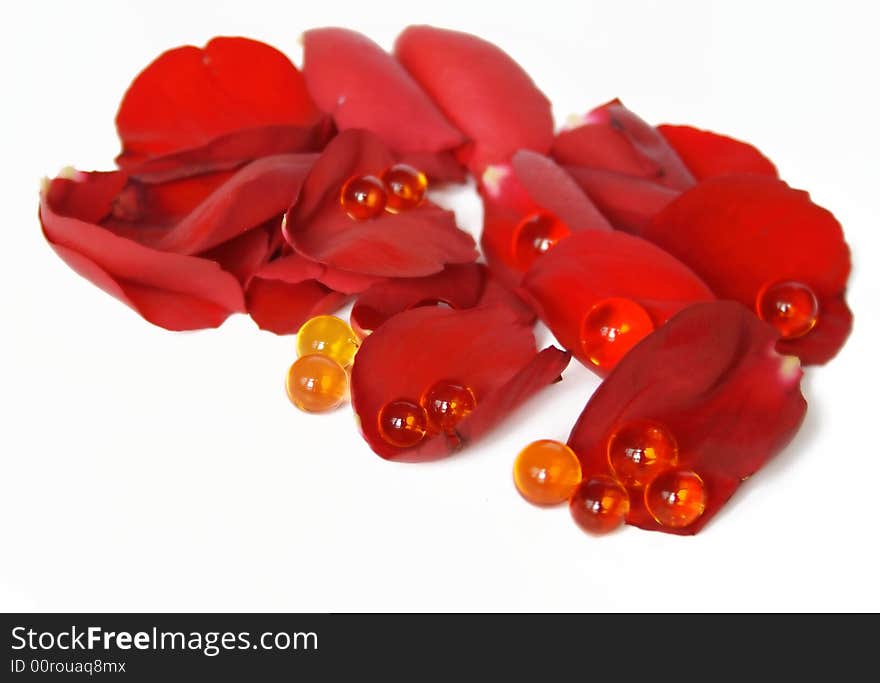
x: 611, y: 328
x: 406, y: 187
x: 446, y: 403
x: 599, y: 504
x: 791, y: 307
x: 403, y: 423
x: 316, y: 383
x: 535, y: 235
x: 640, y: 449
x: 363, y: 197
x: 328, y: 335
x: 676, y: 498
x: 546, y: 472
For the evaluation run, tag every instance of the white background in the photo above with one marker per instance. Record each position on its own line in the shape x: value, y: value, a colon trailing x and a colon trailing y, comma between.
x: 146, y: 470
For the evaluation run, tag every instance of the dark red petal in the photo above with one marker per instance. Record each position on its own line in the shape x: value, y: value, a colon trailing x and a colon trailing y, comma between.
x: 530, y: 183
x: 612, y: 138
x: 480, y: 347
x: 481, y: 90
x: 628, y: 202
x: 194, y: 214
x: 244, y: 255
x: 594, y: 265
x: 412, y: 243
x: 362, y: 86
x: 286, y: 292
x: 742, y: 232
x: 709, y: 154
x: 710, y: 376
x: 173, y: 291
x: 199, y: 109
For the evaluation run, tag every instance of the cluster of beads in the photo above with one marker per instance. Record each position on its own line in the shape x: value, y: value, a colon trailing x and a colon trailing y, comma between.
x: 399, y: 188
x: 535, y: 235
x: 405, y: 422
x: 643, y: 459
x: 318, y: 380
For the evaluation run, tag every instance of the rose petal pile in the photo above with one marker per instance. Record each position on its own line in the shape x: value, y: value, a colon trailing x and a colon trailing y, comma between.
x: 672, y: 261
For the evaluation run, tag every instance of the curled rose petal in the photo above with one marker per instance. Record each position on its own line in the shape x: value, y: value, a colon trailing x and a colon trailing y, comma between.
x: 244, y: 255
x: 194, y: 110
x: 481, y: 90
x: 415, y: 242
x: 362, y: 86
x: 712, y: 378
x: 708, y: 154
x: 531, y: 185
x: 459, y: 287
x: 173, y: 291
x: 595, y: 265
x: 741, y: 233
x: 287, y: 291
x: 612, y: 138
x: 628, y: 202
x: 481, y: 348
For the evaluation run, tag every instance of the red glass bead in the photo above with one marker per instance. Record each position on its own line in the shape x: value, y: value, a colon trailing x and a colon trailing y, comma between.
x: 535, y: 235
x: 791, y: 307
x: 676, y: 498
x: 599, y: 504
x: 546, y: 472
x: 611, y: 328
x: 403, y: 423
x: 406, y: 187
x: 640, y: 449
x: 363, y: 197
x: 446, y: 403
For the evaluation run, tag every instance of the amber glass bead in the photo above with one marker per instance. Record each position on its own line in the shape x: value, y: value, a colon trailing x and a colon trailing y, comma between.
x: 316, y: 383
x: 406, y: 187
x: 328, y: 335
x: 611, y: 328
x: 546, y: 472
x: 640, y: 449
x: 363, y: 197
x: 403, y: 423
x: 535, y: 235
x: 599, y: 504
x: 446, y: 402
x: 791, y: 307
x: 676, y: 498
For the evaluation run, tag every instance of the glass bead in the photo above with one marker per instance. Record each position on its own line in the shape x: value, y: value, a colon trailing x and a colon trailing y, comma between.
x: 406, y: 187
x: 446, y: 403
x: 328, y: 335
x: 535, y: 235
x: 676, y: 498
x: 403, y: 423
x: 363, y: 197
x: 316, y: 383
x: 599, y: 504
x: 546, y: 472
x: 640, y: 449
x: 611, y: 328
x: 791, y: 307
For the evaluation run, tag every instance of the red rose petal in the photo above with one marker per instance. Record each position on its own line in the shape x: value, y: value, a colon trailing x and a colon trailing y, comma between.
x: 709, y: 154
x: 173, y: 291
x: 612, y: 138
x: 244, y: 255
x: 742, y: 232
x: 480, y: 347
x: 362, y: 86
x: 198, y: 109
x: 712, y: 378
x: 416, y: 242
x: 628, y: 202
x: 594, y: 265
x: 481, y: 90
x: 531, y: 183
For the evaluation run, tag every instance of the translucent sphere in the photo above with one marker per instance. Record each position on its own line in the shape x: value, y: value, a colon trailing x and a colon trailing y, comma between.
x: 546, y: 472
